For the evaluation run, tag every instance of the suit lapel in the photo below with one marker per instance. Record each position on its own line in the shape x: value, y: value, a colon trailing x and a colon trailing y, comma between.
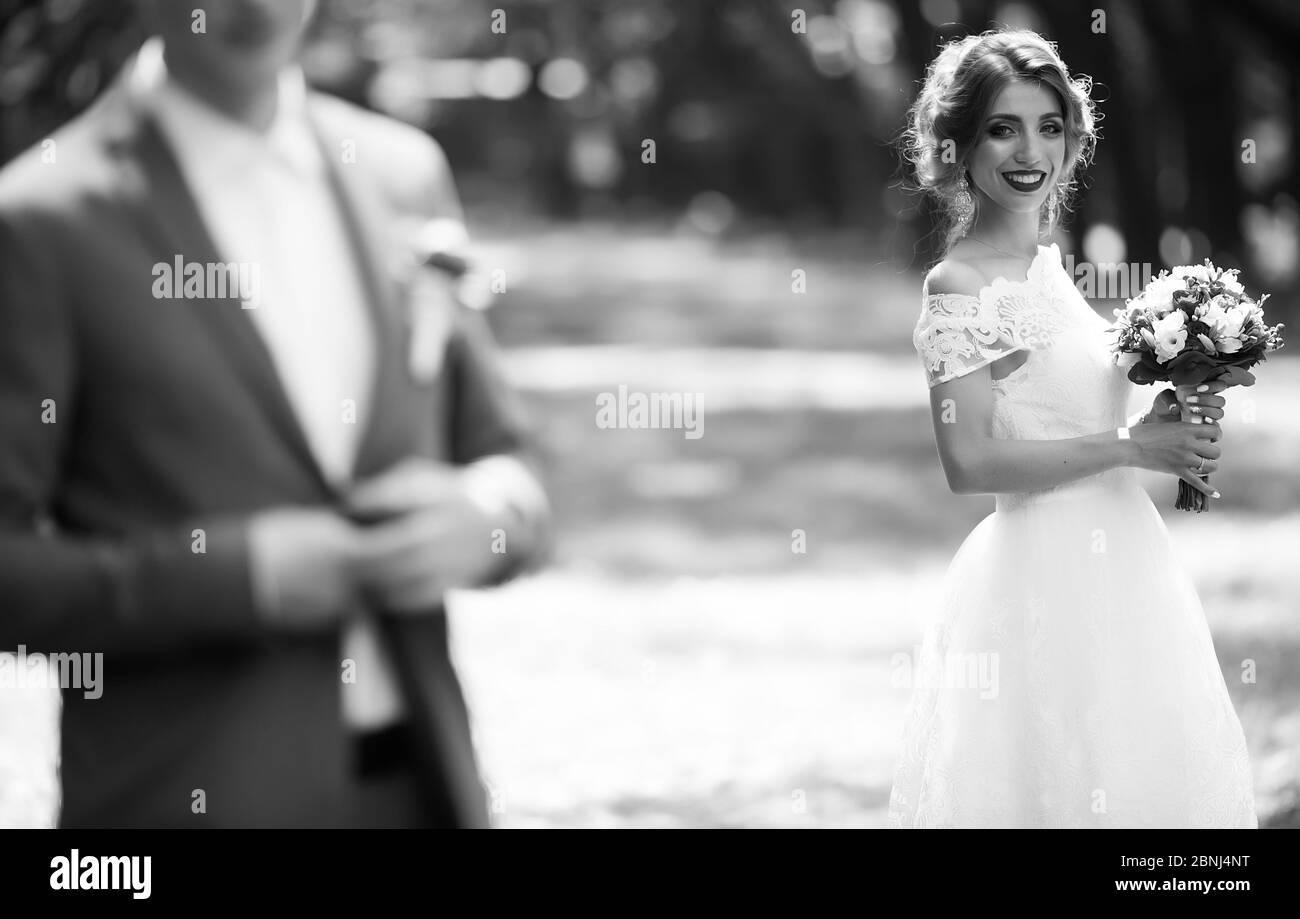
x: 385, y: 438
x: 165, y: 207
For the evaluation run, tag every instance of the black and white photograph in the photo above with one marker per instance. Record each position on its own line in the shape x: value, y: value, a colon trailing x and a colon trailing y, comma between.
x: 649, y: 414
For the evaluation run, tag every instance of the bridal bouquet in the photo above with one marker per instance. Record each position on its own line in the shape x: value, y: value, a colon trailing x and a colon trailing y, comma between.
x: 1191, y: 324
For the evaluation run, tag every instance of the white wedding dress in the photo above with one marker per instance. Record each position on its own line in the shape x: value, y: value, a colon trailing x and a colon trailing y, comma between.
x: 1067, y: 678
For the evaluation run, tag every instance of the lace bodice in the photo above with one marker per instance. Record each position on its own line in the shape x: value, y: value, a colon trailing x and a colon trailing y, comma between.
x: 1068, y: 386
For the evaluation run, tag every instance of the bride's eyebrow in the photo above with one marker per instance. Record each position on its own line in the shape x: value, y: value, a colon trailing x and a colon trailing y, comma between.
x: 1018, y: 120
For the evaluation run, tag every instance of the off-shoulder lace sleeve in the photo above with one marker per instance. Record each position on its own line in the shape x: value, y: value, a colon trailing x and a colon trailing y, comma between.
x: 958, y: 334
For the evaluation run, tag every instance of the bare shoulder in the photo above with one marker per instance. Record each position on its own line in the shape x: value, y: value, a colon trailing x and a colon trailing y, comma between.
x: 954, y: 276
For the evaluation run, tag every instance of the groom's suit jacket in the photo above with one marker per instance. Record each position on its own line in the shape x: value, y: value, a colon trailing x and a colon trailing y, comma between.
x: 129, y: 423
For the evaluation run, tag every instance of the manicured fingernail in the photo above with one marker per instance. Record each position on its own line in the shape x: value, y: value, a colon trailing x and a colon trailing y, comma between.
x: 1203, y: 387
x: 1215, y: 495
x: 1193, y: 399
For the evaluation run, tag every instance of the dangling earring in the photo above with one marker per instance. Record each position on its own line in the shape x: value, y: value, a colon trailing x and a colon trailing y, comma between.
x: 963, y: 206
x: 1053, y: 201
x: 1047, y: 215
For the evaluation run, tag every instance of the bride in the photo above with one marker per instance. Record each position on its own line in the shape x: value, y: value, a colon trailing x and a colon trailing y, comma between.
x: 1107, y: 706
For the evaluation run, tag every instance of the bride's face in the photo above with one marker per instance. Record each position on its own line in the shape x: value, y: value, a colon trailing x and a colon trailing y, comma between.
x: 1018, y: 158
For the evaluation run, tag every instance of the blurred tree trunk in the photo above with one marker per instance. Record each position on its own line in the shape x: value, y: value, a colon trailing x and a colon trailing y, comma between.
x: 1134, y: 122
x: 1277, y: 26
x: 1212, y: 134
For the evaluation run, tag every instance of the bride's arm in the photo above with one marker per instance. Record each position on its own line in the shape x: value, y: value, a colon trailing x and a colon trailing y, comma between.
x: 975, y: 462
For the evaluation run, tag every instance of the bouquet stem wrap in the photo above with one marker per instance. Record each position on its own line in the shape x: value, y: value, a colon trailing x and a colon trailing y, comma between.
x: 1189, y: 499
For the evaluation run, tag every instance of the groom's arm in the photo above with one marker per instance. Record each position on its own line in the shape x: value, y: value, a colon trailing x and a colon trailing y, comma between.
x: 490, y: 435
x: 489, y: 431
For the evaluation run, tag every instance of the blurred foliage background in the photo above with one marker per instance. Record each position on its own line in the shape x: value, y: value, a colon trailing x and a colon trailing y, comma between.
x: 682, y: 665
x: 771, y: 114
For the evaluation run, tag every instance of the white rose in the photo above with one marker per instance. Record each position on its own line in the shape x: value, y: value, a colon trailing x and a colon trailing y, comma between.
x: 1227, y: 326
x: 1158, y: 295
x: 1212, y: 314
x: 1234, y: 317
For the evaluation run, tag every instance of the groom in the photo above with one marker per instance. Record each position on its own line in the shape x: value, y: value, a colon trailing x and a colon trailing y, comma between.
x: 249, y: 442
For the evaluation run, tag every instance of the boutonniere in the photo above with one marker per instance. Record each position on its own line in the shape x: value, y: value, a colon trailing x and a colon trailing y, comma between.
x: 430, y: 294
x: 430, y: 311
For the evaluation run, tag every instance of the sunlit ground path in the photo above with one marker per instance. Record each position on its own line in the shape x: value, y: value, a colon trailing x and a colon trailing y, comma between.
x: 685, y: 667
x: 682, y: 666
x: 762, y: 701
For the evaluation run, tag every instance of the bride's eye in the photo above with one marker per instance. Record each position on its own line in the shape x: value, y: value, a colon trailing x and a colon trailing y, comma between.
x: 1000, y: 130
x: 1053, y: 128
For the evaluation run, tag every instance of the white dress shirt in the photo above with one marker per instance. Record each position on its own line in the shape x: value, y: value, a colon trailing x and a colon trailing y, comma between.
x: 266, y: 200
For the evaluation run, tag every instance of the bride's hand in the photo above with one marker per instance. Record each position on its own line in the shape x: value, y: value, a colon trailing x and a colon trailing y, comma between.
x: 1180, y: 448
x: 1208, y: 404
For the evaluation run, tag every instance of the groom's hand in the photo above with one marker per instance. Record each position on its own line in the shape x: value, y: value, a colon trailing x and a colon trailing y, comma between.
x: 301, y: 566
x: 431, y: 534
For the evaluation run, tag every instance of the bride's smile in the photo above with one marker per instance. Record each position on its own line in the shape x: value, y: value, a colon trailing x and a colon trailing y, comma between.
x: 1024, y: 181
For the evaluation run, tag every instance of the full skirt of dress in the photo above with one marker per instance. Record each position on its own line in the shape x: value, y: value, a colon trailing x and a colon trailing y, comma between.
x: 1068, y: 678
